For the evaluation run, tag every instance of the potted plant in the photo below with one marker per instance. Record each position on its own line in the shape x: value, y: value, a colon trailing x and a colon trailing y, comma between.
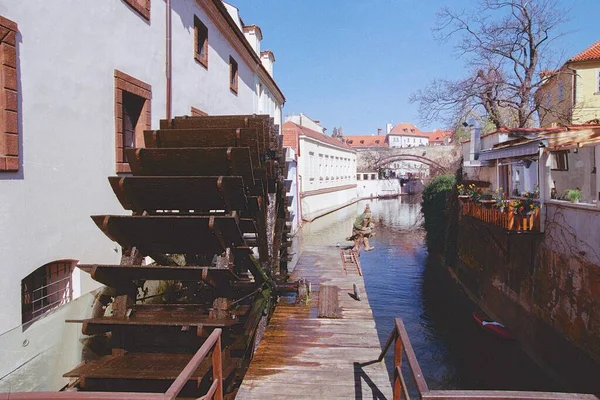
x: 573, y: 195
x: 462, y: 194
x: 526, y: 205
x: 474, y: 193
x: 498, y: 198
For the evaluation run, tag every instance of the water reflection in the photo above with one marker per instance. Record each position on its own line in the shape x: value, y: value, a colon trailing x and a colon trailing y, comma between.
x: 402, y: 280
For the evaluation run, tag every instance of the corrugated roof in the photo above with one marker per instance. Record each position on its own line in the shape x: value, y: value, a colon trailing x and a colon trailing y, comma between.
x: 590, y: 54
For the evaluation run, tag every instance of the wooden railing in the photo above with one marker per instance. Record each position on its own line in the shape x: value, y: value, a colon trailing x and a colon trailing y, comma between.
x: 213, y: 342
x: 402, y: 346
x: 508, y: 219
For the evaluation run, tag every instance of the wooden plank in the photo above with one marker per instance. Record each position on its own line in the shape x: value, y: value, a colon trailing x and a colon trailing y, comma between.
x: 160, y: 319
x: 201, y: 161
x: 140, y: 366
x: 108, y: 274
x: 172, y: 234
x: 206, y: 137
x: 185, y: 194
x: 304, y: 356
x: 262, y: 123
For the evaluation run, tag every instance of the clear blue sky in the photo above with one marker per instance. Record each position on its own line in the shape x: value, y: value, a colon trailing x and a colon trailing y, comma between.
x: 355, y: 63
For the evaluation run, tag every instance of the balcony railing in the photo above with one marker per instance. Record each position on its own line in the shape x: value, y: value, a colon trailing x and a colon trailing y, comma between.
x: 507, y: 218
x: 215, y: 392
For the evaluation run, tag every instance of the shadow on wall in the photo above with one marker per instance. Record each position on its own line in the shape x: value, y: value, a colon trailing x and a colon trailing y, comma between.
x: 186, y: 10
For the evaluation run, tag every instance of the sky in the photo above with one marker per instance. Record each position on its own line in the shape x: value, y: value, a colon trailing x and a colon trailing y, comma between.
x: 355, y: 63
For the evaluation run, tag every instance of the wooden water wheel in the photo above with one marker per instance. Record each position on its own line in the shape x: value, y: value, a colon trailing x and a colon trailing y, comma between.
x: 208, y: 207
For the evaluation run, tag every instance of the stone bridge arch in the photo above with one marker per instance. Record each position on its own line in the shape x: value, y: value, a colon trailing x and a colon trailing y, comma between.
x: 442, y: 159
x: 384, y: 162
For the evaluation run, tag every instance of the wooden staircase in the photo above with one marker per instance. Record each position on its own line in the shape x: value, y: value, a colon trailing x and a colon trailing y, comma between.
x: 206, y: 194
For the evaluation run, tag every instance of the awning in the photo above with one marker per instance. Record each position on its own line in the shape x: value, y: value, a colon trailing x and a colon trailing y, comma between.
x: 522, y: 150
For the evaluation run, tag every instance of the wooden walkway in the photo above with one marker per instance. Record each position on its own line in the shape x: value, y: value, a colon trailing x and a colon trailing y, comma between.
x: 302, y: 356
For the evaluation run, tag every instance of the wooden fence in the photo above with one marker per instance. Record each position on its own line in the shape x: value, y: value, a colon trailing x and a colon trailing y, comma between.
x: 507, y: 218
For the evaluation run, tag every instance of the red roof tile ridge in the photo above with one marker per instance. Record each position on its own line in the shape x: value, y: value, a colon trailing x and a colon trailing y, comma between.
x: 318, y: 136
x: 589, y: 54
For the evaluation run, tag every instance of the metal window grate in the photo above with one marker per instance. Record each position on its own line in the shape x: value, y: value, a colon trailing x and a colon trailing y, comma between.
x: 46, y: 288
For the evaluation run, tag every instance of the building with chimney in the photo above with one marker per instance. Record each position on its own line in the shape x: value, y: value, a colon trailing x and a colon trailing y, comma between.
x: 80, y: 82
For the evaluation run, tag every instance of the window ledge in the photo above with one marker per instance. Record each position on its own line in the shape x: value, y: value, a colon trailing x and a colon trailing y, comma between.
x: 577, y: 206
x: 201, y: 61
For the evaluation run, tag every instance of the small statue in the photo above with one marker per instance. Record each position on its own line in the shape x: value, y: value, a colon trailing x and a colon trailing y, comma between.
x: 362, y: 230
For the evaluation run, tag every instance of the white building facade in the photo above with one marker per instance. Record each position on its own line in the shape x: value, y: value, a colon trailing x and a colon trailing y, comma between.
x: 407, y: 135
x: 326, y: 171
x: 76, y: 94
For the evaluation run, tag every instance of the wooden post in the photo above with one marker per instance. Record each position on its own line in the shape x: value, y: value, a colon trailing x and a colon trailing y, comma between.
x: 397, y: 367
x: 217, y: 363
x: 356, y: 292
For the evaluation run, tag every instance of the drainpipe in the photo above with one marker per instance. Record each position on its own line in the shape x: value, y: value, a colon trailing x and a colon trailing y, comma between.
x: 168, y: 66
x: 299, y: 191
x: 543, y: 183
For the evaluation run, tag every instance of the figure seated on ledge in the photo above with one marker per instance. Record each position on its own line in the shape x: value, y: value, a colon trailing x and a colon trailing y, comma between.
x: 362, y: 230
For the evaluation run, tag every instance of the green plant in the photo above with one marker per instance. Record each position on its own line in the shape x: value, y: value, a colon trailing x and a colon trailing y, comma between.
x: 574, y: 195
x: 474, y: 192
x: 498, y: 197
x: 434, y: 210
x: 461, y: 189
x: 526, y: 204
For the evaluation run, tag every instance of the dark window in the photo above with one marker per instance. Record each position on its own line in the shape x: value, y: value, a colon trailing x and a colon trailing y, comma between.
x: 46, y: 288
x: 559, y: 160
x: 200, y: 42
x: 132, y: 110
x: 233, y: 75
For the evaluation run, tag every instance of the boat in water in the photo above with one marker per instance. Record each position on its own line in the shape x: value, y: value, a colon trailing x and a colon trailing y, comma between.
x: 492, y: 326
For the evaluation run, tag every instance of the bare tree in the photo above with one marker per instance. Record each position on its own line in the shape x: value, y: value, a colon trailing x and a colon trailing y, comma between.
x: 506, y: 46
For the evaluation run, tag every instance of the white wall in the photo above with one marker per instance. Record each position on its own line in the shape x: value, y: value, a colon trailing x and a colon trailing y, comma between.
x: 378, y: 188
x: 35, y: 358
x: 317, y: 205
x: 319, y: 161
x: 67, y: 54
x: 407, y: 141
x: 294, y: 208
x: 303, y: 120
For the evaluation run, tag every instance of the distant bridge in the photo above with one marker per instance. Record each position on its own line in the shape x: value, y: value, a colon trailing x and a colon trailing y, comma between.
x: 438, y: 158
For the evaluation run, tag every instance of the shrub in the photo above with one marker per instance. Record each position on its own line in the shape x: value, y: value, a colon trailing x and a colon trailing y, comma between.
x: 434, y: 211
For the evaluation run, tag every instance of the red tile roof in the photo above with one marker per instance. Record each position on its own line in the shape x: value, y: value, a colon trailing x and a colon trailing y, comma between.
x: 290, y: 129
x: 365, y: 141
x: 406, y: 129
x: 438, y: 136
x: 590, y: 54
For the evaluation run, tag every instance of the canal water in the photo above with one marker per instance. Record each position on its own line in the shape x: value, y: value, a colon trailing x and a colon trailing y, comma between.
x: 402, y: 281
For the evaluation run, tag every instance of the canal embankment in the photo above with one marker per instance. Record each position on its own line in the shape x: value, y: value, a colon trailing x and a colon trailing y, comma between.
x: 543, y: 283
x: 403, y: 280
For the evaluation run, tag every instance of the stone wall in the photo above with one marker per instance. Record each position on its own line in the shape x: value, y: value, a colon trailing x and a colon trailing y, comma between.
x: 547, y: 296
